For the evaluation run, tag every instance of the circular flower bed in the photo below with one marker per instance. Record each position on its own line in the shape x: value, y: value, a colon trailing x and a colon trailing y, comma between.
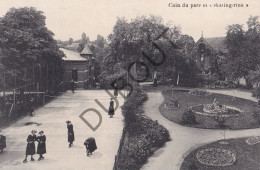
x: 216, y: 157
x: 172, y: 104
x: 253, y: 140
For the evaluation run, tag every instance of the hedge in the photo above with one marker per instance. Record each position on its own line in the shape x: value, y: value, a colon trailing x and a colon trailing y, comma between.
x: 143, y: 135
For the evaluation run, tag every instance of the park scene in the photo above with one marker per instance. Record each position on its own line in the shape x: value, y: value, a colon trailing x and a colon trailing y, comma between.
x: 146, y: 95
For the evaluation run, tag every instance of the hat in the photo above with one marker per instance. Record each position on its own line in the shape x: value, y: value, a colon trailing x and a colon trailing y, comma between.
x: 33, y: 131
x: 68, y: 121
x: 41, y: 132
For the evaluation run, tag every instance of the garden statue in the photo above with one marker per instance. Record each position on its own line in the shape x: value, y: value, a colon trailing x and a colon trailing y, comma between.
x: 215, y: 103
x: 215, y: 107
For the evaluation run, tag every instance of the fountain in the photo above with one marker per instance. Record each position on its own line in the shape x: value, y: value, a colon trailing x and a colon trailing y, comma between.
x: 220, y: 113
x: 215, y: 108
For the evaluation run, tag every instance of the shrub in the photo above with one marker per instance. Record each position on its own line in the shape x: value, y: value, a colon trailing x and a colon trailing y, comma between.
x: 142, y: 135
x: 188, y: 117
x: 129, y: 109
x: 199, y: 92
x: 173, y: 103
x: 256, y: 116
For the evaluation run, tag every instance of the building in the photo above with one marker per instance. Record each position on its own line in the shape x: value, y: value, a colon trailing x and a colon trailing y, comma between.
x: 205, y: 56
x: 77, y: 67
x: 87, y: 53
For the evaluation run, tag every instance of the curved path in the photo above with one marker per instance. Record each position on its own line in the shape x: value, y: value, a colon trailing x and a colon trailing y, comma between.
x: 184, y: 139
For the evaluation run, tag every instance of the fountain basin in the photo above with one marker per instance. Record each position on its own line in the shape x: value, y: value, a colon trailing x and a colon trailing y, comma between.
x: 229, y: 111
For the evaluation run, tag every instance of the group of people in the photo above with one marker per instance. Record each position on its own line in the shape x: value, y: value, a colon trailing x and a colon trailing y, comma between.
x: 41, y: 148
x: 90, y: 143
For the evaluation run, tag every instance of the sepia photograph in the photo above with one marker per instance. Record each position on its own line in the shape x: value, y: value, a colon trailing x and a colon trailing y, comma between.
x: 129, y: 85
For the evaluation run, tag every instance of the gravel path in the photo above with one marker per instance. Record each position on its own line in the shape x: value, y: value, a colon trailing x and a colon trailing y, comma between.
x: 185, y: 139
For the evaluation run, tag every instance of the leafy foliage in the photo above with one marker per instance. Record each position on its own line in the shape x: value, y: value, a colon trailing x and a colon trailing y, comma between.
x: 188, y: 117
x: 143, y: 136
x: 244, y: 49
x: 131, y: 39
x: 26, y: 41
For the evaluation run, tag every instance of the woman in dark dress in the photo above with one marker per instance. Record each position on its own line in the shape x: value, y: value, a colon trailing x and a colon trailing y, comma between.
x: 41, y: 149
x: 91, y: 146
x: 70, y: 133
x: 111, y: 110
x: 30, y: 149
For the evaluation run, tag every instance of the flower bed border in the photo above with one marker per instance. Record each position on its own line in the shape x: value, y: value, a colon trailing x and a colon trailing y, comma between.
x: 256, y: 138
x: 176, y: 108
x: 200, y: 152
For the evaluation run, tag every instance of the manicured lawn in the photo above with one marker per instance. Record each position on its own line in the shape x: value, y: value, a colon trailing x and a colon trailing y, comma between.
x: 244, y: 121
x: 247, y: 156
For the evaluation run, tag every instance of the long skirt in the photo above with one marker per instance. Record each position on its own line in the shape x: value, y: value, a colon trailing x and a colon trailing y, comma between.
x: 30, y: 149
x: 41, y: 149
x: 111, y: 111
x: 71, y: 137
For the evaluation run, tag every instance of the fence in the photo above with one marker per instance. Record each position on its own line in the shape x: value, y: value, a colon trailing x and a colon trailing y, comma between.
x: 27, y: 88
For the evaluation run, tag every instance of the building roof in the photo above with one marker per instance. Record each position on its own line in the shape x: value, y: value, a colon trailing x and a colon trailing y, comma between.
x: 72, y: 56
x: 202, y: 39
x: 215, y: 43
x: 218, y: 43
x: 86, y: 51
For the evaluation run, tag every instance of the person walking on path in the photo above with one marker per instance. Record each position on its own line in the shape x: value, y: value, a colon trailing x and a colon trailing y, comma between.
x: 91, y: 146
x: 111, y: 110
x: 41, y: 149
x: 30, y: 149
x: 70, y: 133
x: 115, y: 91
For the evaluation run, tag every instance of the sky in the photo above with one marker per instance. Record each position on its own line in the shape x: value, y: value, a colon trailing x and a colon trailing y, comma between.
x: 70, y: 18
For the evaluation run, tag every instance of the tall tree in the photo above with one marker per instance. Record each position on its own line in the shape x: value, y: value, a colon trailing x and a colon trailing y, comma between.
x: 25, y: 41
x: 83, y: 42
x: 131, y: 39
x: 70, y: 41
x: 244, y: 49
